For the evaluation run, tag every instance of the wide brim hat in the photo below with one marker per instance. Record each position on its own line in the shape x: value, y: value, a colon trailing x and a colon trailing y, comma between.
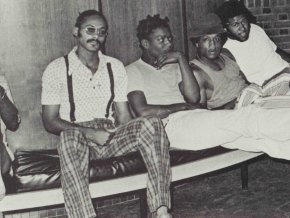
x: 211, y: 24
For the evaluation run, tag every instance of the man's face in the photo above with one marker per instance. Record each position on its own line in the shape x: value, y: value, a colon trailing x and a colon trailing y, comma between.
x: 92, y: 33
x: 209, y: 46
x: 238, y: 28
x: 160, y: 41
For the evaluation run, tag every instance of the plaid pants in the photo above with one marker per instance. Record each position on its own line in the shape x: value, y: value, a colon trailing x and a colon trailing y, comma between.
x: 145, y: 135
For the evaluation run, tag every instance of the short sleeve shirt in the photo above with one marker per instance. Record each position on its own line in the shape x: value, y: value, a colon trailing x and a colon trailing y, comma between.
x: 159, y: 86
x: 257, y: 56
x: 91, y: 92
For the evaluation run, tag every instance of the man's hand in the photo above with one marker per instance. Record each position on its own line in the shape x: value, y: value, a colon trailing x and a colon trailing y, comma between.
x: 168, y: 58
x: 99, y: 136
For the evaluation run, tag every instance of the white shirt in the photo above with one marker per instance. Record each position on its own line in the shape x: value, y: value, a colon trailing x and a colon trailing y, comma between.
x: 91, y: 91
x: 257, y: 56
x: 159, y: 86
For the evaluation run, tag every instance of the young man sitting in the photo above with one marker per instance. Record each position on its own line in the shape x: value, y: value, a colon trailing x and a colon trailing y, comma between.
x: 219, y: 77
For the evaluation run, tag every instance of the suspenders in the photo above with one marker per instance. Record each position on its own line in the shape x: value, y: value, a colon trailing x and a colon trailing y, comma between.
x: 70, y: 90
x: 110, y: 102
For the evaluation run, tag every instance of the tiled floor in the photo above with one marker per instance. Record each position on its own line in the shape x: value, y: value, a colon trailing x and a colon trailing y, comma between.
x: 219, y: 196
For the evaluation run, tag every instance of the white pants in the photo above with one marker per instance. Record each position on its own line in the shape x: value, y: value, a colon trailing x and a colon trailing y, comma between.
x: 250, y: 128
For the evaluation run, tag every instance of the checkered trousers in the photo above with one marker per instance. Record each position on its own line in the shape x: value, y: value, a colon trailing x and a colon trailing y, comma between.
x: 145, y: 135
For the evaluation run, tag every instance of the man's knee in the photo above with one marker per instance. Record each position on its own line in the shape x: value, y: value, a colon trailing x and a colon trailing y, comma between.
x: 154, y: 125
x: 70, y: 137
x: 70, y: 134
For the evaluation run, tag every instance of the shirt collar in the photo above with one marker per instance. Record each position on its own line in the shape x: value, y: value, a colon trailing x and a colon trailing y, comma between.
x: 73, y: 58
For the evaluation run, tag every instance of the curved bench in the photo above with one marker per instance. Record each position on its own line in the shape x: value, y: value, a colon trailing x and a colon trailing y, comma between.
x: 37, y: 179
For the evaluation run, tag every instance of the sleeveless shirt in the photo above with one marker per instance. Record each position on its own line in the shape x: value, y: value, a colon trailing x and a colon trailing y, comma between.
x: 227, y: 83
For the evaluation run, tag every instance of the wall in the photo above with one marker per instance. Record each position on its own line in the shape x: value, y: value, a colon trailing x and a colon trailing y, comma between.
x: 274, y: 17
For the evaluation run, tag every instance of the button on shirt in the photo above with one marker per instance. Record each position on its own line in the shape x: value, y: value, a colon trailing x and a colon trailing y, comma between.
x: 91, y: 91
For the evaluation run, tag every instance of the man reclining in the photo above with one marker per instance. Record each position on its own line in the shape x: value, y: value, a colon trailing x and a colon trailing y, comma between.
x: 258, y: 57
x: 157, y: 86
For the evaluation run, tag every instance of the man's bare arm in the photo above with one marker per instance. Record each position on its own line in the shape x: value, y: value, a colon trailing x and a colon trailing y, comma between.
x: 188, y: 86
x: 54, y: 124
x: 122, y: 111
x: 51, y: 120
x: 8, y: 112
x: 140, y: 106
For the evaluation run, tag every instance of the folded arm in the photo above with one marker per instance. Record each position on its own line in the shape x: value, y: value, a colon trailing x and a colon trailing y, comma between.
x: 122, y: 111
x: 188, y: 85
x: 140, y: 106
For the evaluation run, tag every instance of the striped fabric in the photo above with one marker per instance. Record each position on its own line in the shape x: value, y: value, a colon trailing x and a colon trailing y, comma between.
x: 277, y: 86
x: 145, y: 135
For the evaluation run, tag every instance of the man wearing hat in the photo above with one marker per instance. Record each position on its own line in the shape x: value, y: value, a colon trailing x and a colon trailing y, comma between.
x: 156, y: 86
x: 259, y: 58
x: 218, y: 76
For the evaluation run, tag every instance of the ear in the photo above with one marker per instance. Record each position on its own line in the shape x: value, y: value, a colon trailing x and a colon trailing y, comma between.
x: 75, y: 31
x: 145, y: 43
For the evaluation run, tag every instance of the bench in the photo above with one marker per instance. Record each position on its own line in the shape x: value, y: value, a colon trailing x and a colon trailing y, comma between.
x: 37, y: 180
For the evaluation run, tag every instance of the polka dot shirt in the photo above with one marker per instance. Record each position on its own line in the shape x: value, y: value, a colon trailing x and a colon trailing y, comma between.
x: 91, y: 91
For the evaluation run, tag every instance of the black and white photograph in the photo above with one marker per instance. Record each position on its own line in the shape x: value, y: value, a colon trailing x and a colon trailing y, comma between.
x: 145, y: 108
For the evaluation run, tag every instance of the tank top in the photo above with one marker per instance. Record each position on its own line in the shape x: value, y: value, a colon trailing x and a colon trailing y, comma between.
x: 227, y: 83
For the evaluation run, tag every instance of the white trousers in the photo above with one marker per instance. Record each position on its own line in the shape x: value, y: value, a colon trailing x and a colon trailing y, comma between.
x: 250, y: 128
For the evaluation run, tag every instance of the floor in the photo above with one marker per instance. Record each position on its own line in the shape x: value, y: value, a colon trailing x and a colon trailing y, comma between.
x: 221, y: 195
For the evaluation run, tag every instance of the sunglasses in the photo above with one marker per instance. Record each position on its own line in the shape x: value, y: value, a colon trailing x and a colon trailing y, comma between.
x: 93, y: 31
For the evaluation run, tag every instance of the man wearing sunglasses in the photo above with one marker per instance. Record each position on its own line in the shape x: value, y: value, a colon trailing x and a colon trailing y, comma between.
x: 78, y: 94
x: 259, y: 58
